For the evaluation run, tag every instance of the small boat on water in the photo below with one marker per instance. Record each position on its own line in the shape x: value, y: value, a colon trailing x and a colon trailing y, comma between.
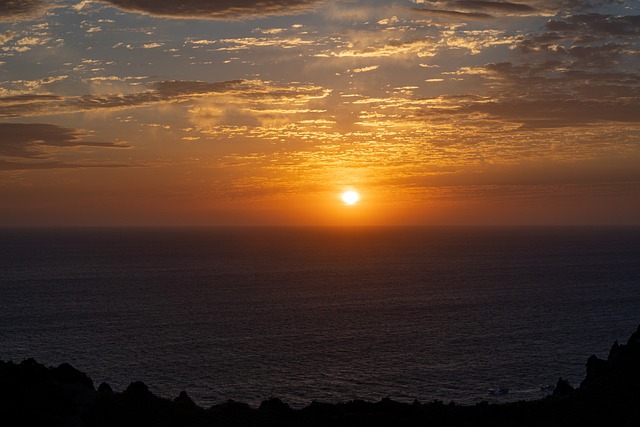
x: 501, y: 391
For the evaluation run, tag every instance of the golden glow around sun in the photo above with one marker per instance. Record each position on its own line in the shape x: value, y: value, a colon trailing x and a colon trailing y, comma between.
x: 350, y: 197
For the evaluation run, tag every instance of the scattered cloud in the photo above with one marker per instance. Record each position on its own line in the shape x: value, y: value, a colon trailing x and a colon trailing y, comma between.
x: 254, y: 42
x: 6, y: 37
x: 413, y: 97
x: 152, y: 45
x: 366, y: 69
x: 375, y: 47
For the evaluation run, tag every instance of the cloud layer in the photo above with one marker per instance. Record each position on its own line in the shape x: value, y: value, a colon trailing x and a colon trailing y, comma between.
x: 40, y: 140
x: 422, y: 99
x: 159, y: 92
x: 15, y: 10
x: 476, y: 9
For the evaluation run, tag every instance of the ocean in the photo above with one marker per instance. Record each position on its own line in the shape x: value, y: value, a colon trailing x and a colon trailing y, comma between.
x: 326, y: 314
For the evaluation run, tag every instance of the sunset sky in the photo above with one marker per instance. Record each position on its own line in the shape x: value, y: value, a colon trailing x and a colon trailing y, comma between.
x: 264, y: 112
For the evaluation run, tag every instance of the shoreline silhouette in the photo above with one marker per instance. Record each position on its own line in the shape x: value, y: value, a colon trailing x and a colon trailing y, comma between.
x: 33, y: 394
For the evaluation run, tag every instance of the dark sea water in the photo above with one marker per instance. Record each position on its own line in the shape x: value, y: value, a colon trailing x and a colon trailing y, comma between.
x: 327, y: 314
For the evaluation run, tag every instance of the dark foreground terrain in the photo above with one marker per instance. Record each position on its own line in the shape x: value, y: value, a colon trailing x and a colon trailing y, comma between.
x: 33, y: 394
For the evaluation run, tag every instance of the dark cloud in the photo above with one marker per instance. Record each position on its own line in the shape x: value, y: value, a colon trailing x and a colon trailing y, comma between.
x: 37, y: 140
x: 452, y: 14
x: 597, y: 24
x: 554, y: 113
x: 472, y: 10
x: 601, y: 56
x: 587, y: 40
x: 550, y: 96
x: 496, y: 6
x: 486, y: 6
x: 18, y: 105
x: 213, y: 9
x: 15, y: 10
x: 571, y: 5
x: 586, y: 4
x: 549, y: 42
x: 554, y: 79
x: 606, y: 55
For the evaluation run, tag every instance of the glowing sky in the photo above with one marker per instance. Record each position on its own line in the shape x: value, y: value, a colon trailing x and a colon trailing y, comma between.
x: 213, y: 112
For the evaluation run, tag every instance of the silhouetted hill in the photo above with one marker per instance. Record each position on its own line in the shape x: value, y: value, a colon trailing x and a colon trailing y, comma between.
x: 32, y: 394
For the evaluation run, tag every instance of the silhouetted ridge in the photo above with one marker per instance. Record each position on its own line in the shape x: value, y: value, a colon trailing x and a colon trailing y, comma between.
x: 563, y: 389
x: 33, y: 394
x: 184, y: 399
x: 105, y: 388
x: 617, y: 376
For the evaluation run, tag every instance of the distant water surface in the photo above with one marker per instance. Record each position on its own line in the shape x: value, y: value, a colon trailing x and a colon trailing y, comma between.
x: 327, y: 314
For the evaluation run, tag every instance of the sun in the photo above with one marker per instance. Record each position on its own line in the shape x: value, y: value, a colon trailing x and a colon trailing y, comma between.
x: 350, y: 197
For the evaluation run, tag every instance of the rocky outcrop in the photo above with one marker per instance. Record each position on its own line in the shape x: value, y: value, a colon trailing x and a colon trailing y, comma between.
x: 618, y: 377
x: 32, y: 394
x: 563, y: 389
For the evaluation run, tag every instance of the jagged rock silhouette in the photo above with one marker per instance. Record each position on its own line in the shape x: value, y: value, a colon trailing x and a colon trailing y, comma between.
x: 33, y: 394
